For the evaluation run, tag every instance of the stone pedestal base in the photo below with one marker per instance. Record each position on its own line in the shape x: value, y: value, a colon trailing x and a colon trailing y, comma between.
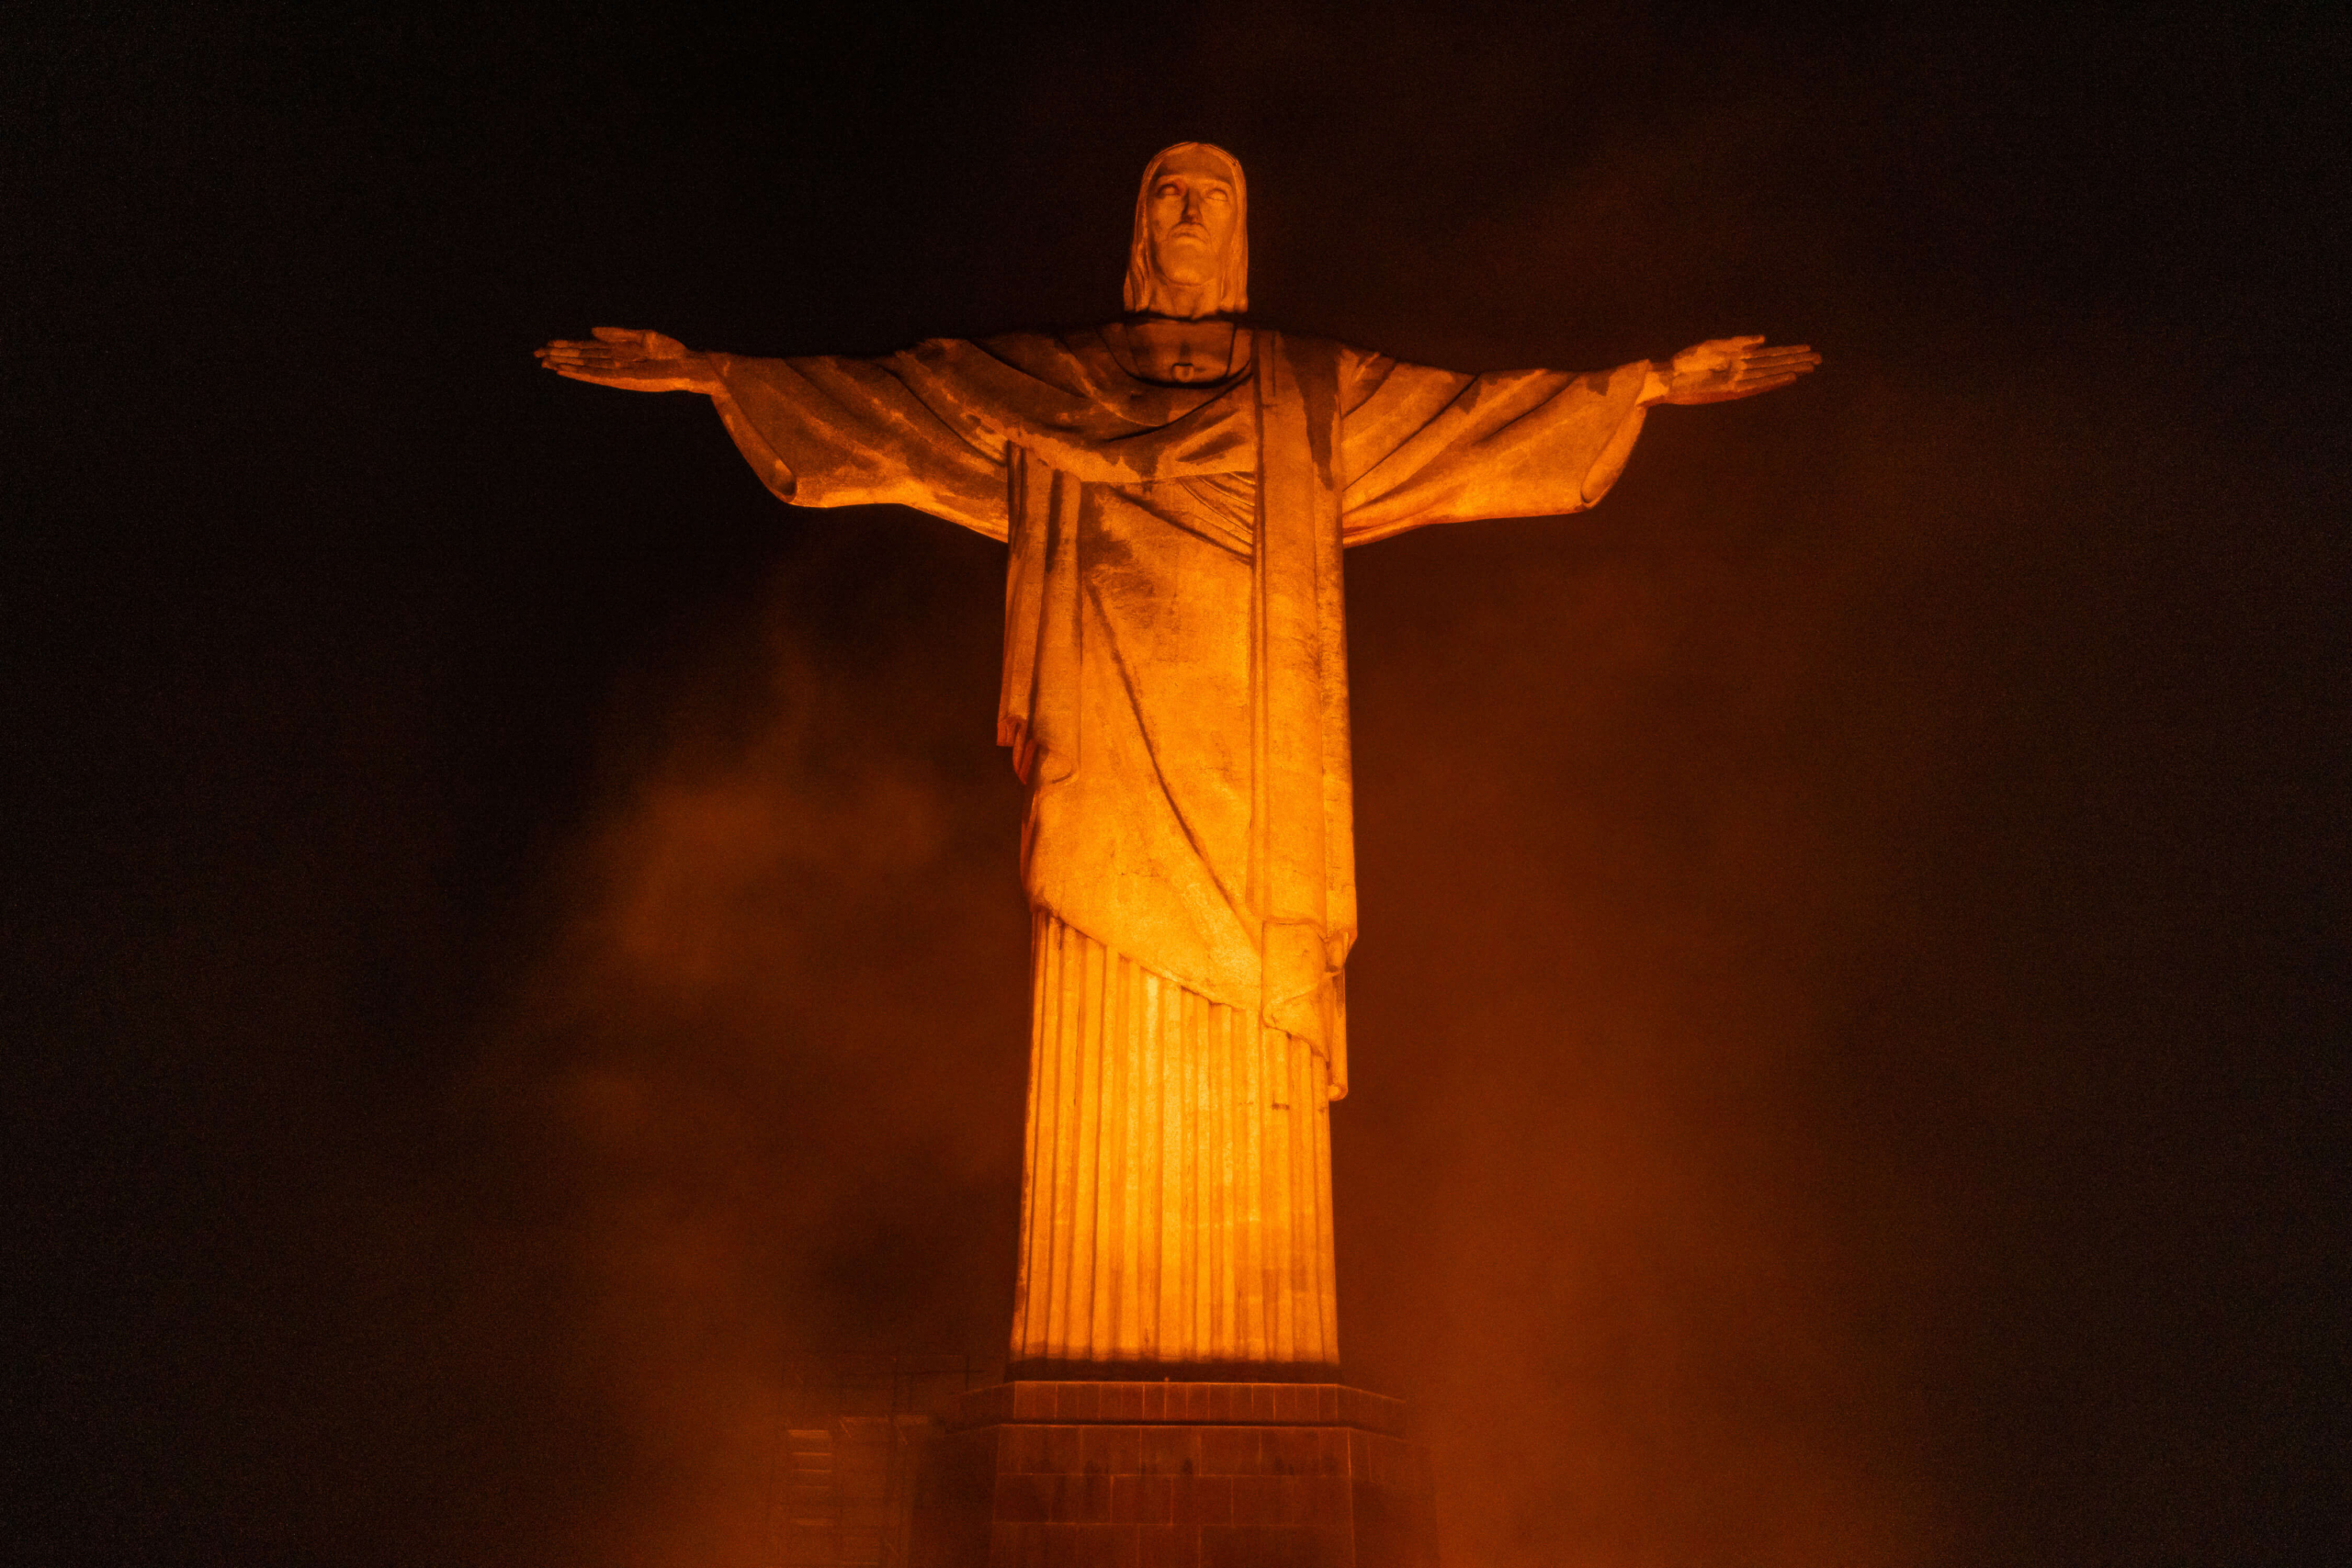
x: 1175, y: 1476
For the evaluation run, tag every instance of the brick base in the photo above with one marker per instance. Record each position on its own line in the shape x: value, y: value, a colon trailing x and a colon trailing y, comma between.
x: 1036, y: 1474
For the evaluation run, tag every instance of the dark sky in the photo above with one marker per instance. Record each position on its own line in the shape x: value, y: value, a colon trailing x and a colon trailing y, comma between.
x: 512, y: 931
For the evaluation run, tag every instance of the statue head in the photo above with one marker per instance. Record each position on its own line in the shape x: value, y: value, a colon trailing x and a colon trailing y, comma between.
x: 1191, y: 254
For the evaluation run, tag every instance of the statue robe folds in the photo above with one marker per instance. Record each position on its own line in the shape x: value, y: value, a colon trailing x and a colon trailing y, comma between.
x: 1175, y: 696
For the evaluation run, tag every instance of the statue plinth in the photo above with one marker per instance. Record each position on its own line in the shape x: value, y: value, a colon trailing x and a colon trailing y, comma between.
x: 1131, y: 1474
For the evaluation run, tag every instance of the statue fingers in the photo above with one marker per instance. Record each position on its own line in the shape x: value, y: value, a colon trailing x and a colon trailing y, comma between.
x: 597, y: 355
x: 1727, y: 390
x: 1770, y: 362
x: 639, y: 376
x: 1766, y: 373
x: 628, y: 379
x: 1769, y: 373
x: 579, y: 347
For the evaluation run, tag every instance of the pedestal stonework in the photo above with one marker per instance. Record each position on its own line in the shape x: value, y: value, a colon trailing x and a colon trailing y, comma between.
x: 1077, y: 1474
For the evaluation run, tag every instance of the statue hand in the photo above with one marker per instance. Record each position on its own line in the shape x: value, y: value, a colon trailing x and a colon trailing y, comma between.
x: 632, y: 360
x: 1724, y: 368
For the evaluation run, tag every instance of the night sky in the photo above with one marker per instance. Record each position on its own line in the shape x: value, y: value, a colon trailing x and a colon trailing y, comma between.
x: 512, y: 931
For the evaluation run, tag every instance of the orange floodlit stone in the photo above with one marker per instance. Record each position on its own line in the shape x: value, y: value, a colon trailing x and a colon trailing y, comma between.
x: 1175, y: 489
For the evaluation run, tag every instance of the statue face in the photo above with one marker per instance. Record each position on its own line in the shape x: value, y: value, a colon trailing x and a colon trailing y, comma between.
x: 1190, y: 211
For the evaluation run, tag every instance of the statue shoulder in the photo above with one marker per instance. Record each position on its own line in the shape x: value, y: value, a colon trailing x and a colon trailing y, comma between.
x: 1047, y: 354
x: 1004, y: 365
x: 1341, y: 365
x: 1306, y: 349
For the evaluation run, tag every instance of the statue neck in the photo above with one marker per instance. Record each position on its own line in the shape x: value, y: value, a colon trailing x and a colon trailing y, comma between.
x: 1181, y: 352
x: 1184, y: 301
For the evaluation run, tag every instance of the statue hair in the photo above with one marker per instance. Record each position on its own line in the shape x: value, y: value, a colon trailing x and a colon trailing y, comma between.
x: 1233, y: 272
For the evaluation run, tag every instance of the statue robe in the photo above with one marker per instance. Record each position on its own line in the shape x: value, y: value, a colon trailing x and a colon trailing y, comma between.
x: 1175, y: 696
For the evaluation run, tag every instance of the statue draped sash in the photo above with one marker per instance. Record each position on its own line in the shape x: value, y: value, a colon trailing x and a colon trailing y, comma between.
x: 1175, y: 694
x: 1282, y: 421
x: 1019, y: 436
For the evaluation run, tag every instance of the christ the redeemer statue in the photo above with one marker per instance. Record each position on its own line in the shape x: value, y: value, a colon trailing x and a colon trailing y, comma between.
x: 1175, y: 489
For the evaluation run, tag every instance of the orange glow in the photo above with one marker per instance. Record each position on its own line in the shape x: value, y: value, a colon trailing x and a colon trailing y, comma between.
x: 1176, y: 693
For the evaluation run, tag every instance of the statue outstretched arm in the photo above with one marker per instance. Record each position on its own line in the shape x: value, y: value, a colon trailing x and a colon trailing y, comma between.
x: 1420, y: 445
x: 631, y: 359
x: 820, y: 431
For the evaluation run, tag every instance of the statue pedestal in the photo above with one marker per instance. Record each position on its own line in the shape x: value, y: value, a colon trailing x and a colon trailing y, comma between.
x: 1075, y: 1474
